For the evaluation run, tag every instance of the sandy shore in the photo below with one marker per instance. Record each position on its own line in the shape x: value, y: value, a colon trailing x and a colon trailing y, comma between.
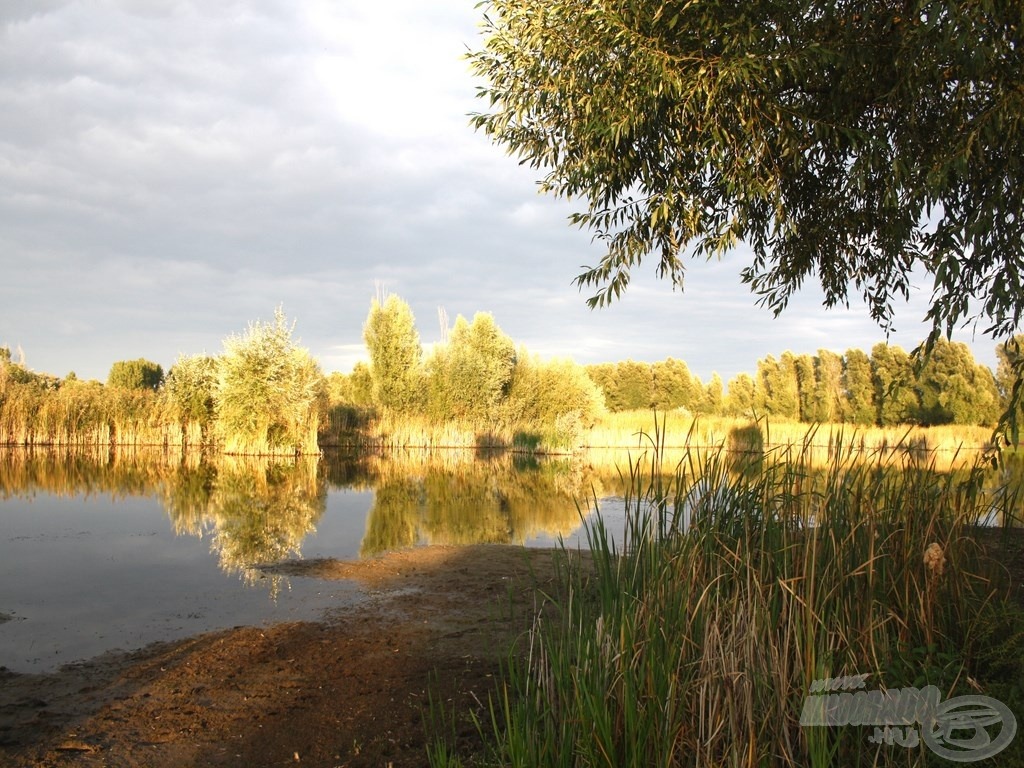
x: 347, y: 691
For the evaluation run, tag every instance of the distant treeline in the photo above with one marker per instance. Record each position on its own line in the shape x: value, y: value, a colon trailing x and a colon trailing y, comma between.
x: 265, y: 395
x: 889, y: 387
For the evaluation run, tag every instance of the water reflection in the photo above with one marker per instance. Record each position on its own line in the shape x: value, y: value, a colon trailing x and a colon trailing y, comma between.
x: 466, y: 498
x: 256, y: 511
x: 253, y: 510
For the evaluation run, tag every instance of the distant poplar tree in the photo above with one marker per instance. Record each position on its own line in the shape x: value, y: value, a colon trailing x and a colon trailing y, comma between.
x: 829, y: 398
x: 395, y: 355
x: 673, y: 385
x: 806, y: 386
x: 954, y: 389
x: 136, y: 374
x: 778, y: 389
x: 892, y: 376
x: 634, y: 386
x: 712, y: 396
x: 739, y: 398
x: 1009, y: 356
x: 860, y: 406
x: 603, y: 375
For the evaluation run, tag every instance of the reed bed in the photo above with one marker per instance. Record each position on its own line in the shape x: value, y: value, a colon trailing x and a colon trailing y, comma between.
x: 391, y: 432
x: 949, y: 445
x: 738, y: 584
x: 87, y: 414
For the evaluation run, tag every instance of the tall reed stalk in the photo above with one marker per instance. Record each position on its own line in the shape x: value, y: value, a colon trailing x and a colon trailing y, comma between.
x: 737, y: 584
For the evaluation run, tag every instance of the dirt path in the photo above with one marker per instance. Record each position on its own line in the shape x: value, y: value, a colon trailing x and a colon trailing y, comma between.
x: 349, y: 691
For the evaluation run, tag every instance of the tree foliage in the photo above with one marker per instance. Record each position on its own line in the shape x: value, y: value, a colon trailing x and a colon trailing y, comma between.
x: 1010, y: 376
x: 136, y: 374
x: 269, y: 395
x: 471, y: 374
x: 192, y: 385
x: 858, y: 387
x: 953, y: 389
x: 853, y: 141
x: 395, y: 354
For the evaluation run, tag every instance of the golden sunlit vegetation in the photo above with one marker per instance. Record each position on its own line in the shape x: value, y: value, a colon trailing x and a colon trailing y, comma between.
x: 740, y: 583
x: 476, y: 389
x: 263, y: 395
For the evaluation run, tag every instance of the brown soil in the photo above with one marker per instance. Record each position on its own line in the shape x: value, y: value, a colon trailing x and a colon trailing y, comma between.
x: 353, y: 690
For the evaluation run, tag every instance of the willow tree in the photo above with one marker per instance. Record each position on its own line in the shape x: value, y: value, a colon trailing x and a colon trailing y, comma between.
x: 395, y: 355
x: 191, y: 385
x: 469, y: 377
x: 269, y: 395
x: 1009, y: 376
x: 857, y: 142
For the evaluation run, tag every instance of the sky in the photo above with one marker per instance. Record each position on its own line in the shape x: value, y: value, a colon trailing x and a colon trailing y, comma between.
x: 171, y: 171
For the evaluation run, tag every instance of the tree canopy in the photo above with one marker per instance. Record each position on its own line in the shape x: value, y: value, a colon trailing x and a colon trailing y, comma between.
x: 855, y: 141
x: 136, y: 374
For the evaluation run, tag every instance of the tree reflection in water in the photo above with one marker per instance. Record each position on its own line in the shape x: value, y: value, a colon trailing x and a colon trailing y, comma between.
x: 254, y: 510
x: 464, y: 497
x: 258, y: 511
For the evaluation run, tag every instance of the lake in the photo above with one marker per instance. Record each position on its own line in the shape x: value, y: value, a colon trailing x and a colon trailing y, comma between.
x: 102, y: 552
x: 117, y: 550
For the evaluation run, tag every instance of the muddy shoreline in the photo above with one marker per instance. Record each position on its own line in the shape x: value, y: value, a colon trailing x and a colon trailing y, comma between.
x: 350, y: 690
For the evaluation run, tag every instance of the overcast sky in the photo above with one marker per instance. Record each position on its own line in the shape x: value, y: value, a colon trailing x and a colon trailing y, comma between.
x: 171, y: 171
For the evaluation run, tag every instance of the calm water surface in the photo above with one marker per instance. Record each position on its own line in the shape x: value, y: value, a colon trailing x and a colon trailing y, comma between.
x: 100, y: 553
x: 118, y: 551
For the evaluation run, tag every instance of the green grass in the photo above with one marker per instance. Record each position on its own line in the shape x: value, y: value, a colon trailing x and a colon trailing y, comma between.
x: 739, y: 583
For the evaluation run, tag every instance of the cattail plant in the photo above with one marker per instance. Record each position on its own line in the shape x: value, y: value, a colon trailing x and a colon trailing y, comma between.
x: 695, y: 637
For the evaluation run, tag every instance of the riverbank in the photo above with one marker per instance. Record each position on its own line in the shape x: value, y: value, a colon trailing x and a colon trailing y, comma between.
x: 351, y: 690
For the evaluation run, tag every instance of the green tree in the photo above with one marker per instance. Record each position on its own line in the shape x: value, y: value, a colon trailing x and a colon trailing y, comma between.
x: 777, y: 387
x: 829, y: 399
x: 806, y: 386
x: 1009, y: 375
x: 895, y: 396
x: 603, y: 375
x: 857, y: 384
x: 395, y: 355
x: 740, y: 396
x: 634, y: 386
x: 673, y: 385
x: 136, y: 374
x: 470, y: 375
x: 954, y: 389
x: 361, y: 379
x: 711, y: 401
x: 556, y: 397
x: 269, y: 396
x: 852, y: 142
x: 192, y: 386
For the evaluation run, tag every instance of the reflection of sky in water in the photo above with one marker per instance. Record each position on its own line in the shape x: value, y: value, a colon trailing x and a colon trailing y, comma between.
x: 613, y: 513
x: 85, y: 575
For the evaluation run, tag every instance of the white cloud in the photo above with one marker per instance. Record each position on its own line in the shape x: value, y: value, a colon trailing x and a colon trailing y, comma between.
x: 172, y: 170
